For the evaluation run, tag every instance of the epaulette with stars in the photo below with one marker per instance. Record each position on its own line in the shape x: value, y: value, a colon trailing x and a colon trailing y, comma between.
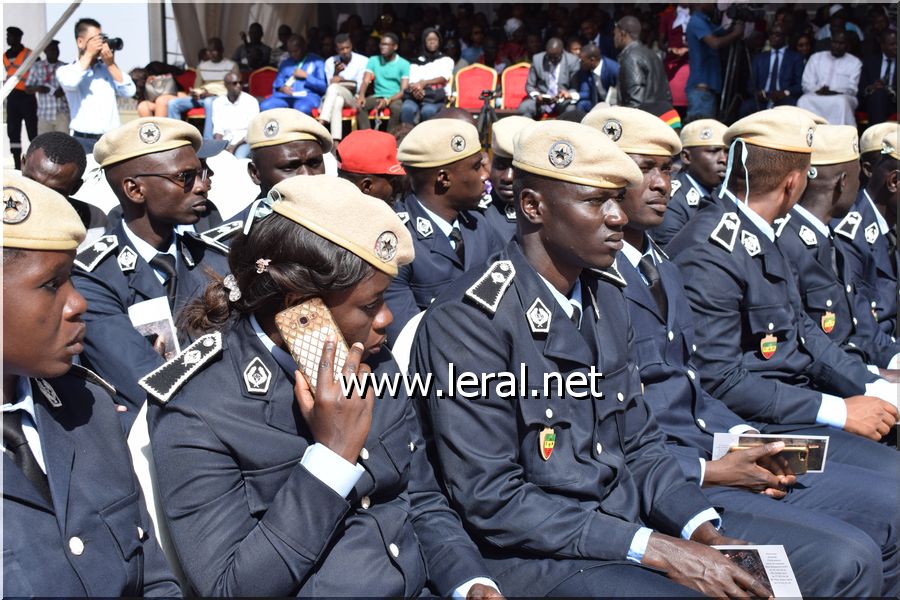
x: 490, y: 287
x: 93, y: 255
x: 165, y: 381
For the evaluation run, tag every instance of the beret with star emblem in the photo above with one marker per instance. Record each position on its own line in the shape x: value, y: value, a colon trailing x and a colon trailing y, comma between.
x: 282, y: 125
x: 438, y: 142
x: 37, y: 218
x: 144, y: 136
x: 634, y: 131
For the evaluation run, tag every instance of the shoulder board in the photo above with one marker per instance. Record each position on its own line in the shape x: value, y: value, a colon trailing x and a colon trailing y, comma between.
x: 165, y: 381
x: 726, y: 232
x: 490, y: 287
x: 780, y: 224
x: 849, y: 225
x: 223, y: 231
x: 88, y: 375
x: 485, y: 201
x: 657, y: 249
x: 90, y: 257
x: 404, y: 217
x: 611, y: 273
x: 215, y: 244
x: 676, y: 185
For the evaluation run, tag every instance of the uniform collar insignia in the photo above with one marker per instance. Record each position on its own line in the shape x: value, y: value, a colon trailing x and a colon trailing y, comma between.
x: 48, y: 392
x: 404, y: 217
x: 424, y: 227
x: 808, y: 236
x: 693, y: 197
x: 510, y: 212
x: 750, y: 242
x: 257, y: 376
x: 127, y: 259
x: 872, y: 233
x: 538, y: 316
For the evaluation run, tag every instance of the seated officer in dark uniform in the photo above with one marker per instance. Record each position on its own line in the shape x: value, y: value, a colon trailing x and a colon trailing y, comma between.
x: 703, y: 156
x: 500, y: 210
x: 826, y: 509
x: 268, y: 489
x: 151, y: 165
x: 560, y: 487
x: 863, y: 239
x: 756, y: 348
x: 74, y: 522
x: 447, y: 171
x: 828, y: 295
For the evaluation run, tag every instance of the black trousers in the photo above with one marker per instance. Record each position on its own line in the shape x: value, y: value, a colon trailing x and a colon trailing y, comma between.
x: 20, y: 107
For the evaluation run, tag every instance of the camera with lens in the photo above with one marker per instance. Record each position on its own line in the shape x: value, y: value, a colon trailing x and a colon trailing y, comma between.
x: 115, y: 44
x: 746, y: 12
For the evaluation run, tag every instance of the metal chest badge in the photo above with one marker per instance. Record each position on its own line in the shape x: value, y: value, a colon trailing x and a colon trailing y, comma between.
x: 768, y: 345
x: 828, y: 321
x: 546, y: 442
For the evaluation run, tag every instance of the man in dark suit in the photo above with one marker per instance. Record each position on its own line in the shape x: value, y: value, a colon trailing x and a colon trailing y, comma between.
x: 878, y: 82
x: 74, y: 522
x: 447, y: 171
x: 144, y: 269
x: 598, y: 73
x: 776, y: 75
x: 551, y: 79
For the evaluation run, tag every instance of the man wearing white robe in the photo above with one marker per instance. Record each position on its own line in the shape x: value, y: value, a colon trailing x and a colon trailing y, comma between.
x: 830, y: 82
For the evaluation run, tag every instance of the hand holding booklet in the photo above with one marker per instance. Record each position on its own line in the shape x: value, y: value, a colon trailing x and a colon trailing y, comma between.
x: 769, y: 564
x: 801, y: 454
x: 153, y: 320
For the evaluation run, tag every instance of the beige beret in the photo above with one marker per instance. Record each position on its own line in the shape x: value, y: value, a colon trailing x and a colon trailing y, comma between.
x: 144, y: 136
x: 37, y: 218
x: 282, y: 125
x: 703, y: 132
x: 835, y: 144
x: 438, y: 142
x: 870, y: 140
x: 575, y: 153
x: 817, y: 118
x: 322, y: 203
x: 504, y: 131
x: 890, y: 143
x: 785, y: 130
x: 634, y: 131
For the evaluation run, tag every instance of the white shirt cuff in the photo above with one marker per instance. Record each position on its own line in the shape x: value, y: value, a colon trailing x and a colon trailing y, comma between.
x: 742, y: 429
x: 702, y: 471
x: 462, y: 591
x: 331, y: 469
x: 833, y: 412
x: 884, y: 389
x: 639, y: 544
x: 895, y: 362
x: 709, y: 514
x: 873, y: 369
x: 574, y: 96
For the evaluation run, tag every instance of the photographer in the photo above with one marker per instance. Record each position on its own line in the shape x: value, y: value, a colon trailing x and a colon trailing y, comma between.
x: 704, y: 41
x: 92, y: 83
x: 344, y: 72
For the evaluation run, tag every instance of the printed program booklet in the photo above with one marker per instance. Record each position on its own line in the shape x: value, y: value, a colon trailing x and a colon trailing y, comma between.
x: 804, y: 453
x: 769, y: 564
x: 153, y: 320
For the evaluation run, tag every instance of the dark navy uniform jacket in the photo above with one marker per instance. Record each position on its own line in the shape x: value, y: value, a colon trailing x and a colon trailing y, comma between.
x: 501, y: 218
x: 96, y: 538
x: 686, y: 198
x: 112, y: 276
x: 436, y: 264
x: 742, y: 291
x: 825, y: 291
x: 869, y: 258
x: 663, y: 349
x: 247, y: 519
x: 539, y: 521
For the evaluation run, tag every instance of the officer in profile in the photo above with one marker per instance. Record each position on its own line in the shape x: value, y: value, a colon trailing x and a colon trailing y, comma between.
x: 447, y: 171
x: 814, y: 515
x: 826, y: 288
x: 703, y: 156
x: 74, y: 522
x: 500, y: 210
x: 368, y: 159
x: 870, y: 148
x: 143, y: 270
x: 756, y: 348
x: 556, y: 488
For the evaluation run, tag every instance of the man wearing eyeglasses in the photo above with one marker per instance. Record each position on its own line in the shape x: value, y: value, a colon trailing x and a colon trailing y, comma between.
x: 144, y: 270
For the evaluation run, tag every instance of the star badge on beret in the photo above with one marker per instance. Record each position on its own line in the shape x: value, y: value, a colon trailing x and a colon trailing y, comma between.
x: 538, y: 316
x: 458, y: 143
x: 809, y: 137
x: 613, y: 129
x: 16, y: 206
x: 561, y: 154
x: 271, y: 129
x: 706, y: 134
x: 149, y: 133
x: 386, y: 246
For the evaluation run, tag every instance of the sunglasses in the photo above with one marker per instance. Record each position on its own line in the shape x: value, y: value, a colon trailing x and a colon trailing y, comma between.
x: 186, y: 179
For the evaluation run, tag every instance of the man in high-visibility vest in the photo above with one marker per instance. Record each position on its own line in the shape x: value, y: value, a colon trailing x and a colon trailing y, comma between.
x: 20, y: 105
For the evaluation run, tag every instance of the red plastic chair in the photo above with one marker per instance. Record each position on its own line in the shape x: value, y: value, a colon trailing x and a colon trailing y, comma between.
x: 470, y: 82
x: 186, y: 80
x: 260, y: 82
x: 512, y: 84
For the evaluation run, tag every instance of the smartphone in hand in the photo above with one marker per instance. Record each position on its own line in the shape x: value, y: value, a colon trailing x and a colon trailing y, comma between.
x: 304, y: 328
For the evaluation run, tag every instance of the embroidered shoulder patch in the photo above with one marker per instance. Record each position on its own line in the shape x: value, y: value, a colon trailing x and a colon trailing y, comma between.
x: 490, y: 287
x: 223, y: 231
x: 849, y: 225
x: 726, y: 232
x: 165, y: 381
x: 90, y: 257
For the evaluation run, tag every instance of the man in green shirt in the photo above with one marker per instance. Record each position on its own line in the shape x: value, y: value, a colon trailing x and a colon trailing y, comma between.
x: 391, y: 75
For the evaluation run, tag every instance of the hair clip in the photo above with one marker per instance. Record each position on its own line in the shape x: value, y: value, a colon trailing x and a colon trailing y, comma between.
x: 234, y: 292
x: 262, y: 265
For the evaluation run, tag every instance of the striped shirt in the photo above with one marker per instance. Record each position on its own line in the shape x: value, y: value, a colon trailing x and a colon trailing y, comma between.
x: 44, y: 73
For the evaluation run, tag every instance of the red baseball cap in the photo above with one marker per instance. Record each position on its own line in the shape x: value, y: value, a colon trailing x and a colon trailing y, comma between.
x: 369, y: 152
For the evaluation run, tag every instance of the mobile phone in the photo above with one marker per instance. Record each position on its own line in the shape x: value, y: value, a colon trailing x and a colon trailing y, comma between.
x: 304, y: 328
x: 797, y: 457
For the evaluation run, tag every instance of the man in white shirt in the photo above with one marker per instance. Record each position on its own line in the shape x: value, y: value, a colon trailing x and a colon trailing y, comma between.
x: 830, y: 83
x: 209, y: 84
x: 344, y: 73
x: 92, y: 84
x: 231, y: 116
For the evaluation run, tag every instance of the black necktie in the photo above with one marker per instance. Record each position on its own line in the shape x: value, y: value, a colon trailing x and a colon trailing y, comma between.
x: 773, y: 76
x: 166, y: 264
x: 576, y: 316
x: 592, y: 89
x: 17, y: 448
x: 648, y: 269
x: 835, y: 267
x: 456, y: 238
